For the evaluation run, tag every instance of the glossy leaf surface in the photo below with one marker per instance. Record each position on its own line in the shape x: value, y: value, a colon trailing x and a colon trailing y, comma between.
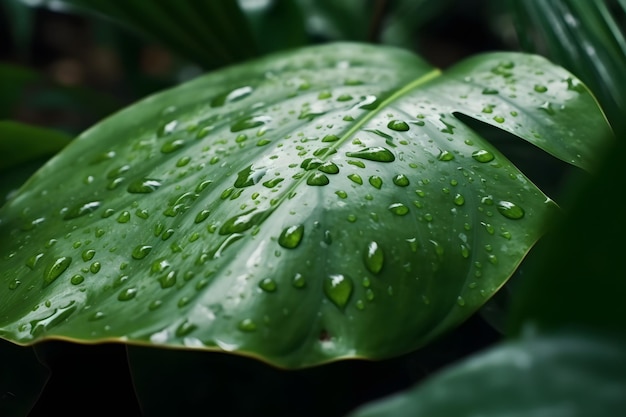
x: 314, y: 205
x: 563, y: 375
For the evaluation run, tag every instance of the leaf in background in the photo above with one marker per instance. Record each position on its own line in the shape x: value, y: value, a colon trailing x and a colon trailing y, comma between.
x: 22, y: 377
x: 21, y: 143
x: 314, y: 205
x: 276, y: 24
x: 13, y: 80
x: 584, y: 36
x: 330, y: 20
x: 579, y: 279
x: 564, y: 375
x: 21, y: 19
x: 210, y: 33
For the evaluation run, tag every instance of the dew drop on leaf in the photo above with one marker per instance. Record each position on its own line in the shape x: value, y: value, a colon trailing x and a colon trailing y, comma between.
x: 141, y: 251
x: 483, y: 155
x: 247, y: 325
x: 317, y: 179
x: 398, y: 209
x: 356, y: 178
x: 127, y: 294
x: 173, y: 145
x: 81, y: 209
x: 291, y: 236
x: 143, y: 186
x: 338, y: 288
x: 267, y: 285
x: 55, y: 269
x: 398, y: 125
x: 376, y: 153
x: 445, y: 156
x: 510, y: 210
x: 249, y: 123
x: 400, y: 180
x: 298, y: 281
x: 374, y: 257
x: 376, y: 181
x: 77, y: 279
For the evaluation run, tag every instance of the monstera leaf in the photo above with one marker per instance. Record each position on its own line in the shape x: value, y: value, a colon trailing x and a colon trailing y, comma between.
x: 314, y: 205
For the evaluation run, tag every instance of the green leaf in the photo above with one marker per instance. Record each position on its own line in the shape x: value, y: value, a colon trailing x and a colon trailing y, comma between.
x: 579, y: 278
x: 566, y: 375
x: 319, y: 204
x: 585, y: 37
x: 20, y: 143
x: 210, y: 33
x: 276, y: 24
x: 13, y: 80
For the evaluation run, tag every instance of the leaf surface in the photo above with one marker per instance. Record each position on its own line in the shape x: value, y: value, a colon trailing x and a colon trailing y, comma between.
x: 314, y: 205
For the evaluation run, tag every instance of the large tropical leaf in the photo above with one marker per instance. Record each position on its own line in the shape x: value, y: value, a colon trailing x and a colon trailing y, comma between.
x: 585, y: 36
x: 313, y: 205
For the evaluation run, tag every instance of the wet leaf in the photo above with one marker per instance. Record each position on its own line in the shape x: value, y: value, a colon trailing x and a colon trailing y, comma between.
x: 281, y: 209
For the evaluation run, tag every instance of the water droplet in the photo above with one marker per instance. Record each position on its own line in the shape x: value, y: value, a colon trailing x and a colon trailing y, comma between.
x: 291, y: 236
x: 81, y: 209
x: 465, y: 251
x: 172, y: 145
x: 124, y: 217
x: 498, y: 119
x: 311, y: 163
x: 377, y: 153
x: 242, y: 222
x: 183, y: 161
x: 273, y: 182
x: 445, y: 155
x: 298, y: 281
x: 168, y: 280
x: 510, y: 210
x: 77, y: 279
x: 95, y: 267
x: 460, y: 301
x: 249, y: 123
x: 398, y: 209
x: 249, y: 176
x: 344, y: 97
x: 547, y: 107
x: 329, y: 168
x: 459, y: 200
x: 317, y: 179
x: 142, y: 214
x: 267, y: 285
x: 540, y: 88
x: 398, y: 125
x: 376, y: 181
x: 127, y: 294
x: 231, y: 96
x: 185, y: 328
x: 356, y: 178
x: 143, y: 186
x: 105, y: 156
x: 489, y: 91
x: 338, y: 288
x: 341, y: 194
x: 32, y: 261
x: 202, y: 216
x: 400, y: 180
x: 374, y: 257
x: 483, y: 155
x: 330, y: 138
x: 14, y: 284
x: 141, y: 251
x: 247, y: 325
x: 55, y: 269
